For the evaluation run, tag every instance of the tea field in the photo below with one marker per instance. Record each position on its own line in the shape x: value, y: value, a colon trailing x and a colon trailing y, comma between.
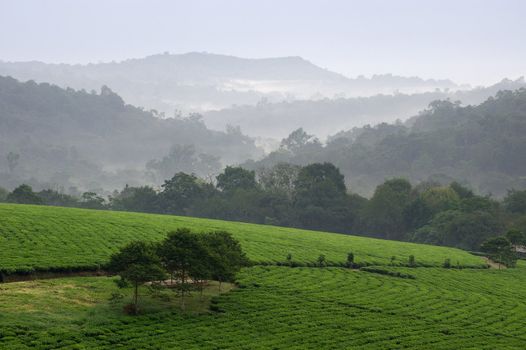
x: 282, y: 308
x: 53, y: 238
x: 384, y: 306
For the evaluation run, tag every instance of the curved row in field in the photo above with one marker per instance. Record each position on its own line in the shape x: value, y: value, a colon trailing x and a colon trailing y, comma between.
x: 47, y: 238
x: 284, y: 308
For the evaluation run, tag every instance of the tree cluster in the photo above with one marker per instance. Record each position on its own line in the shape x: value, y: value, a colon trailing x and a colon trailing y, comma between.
x: 187, y: 258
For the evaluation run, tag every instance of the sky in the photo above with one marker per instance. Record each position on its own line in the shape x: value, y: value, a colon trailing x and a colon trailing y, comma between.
x: 478, y: 42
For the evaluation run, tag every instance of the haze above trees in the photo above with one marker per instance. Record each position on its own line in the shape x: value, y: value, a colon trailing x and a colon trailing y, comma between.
x: 196, y: 82
x: 52, y: 137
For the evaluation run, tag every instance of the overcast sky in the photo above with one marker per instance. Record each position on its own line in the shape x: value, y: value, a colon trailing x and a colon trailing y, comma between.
x: 477, y: 42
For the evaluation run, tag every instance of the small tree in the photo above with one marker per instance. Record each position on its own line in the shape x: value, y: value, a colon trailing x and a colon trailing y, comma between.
x: 501, y: 250
x: 412, y: 261
x: 136, y: 263
x: 516, y: 237
x: 447, y: 263
x: 321, y: 260
x: 350, y: 259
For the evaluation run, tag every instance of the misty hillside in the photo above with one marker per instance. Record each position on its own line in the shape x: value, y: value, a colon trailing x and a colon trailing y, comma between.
x: 329, y: 116
x: 92, y: 140
x: 203, y: 81
x: 483, y: 146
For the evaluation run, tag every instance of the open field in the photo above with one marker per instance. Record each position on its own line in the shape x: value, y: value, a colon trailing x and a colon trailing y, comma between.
x: 53, y: 238
x: 282, y: 308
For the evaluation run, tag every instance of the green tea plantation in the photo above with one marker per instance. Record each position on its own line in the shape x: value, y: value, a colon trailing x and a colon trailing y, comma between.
x: 385, y: 305
x: 52, y: 238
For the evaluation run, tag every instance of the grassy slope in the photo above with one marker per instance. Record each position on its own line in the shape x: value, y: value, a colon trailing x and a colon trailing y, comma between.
x: 275, y: 307
x: 44, y: 238
x: 282, y: 308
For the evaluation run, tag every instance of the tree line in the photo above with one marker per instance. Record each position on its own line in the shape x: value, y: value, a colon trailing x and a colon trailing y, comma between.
x: 316, y: 197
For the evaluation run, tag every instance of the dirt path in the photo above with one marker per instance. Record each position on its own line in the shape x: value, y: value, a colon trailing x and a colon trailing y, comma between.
x: 494, y: 265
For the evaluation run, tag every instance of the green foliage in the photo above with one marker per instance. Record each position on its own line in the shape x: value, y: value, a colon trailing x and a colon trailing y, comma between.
x: 183, y: 254
x: 91, y: 200
x: 515, y: 201
x: 447, y: 263
x: 140, y: 199
x: 137, y: 263
x: 441, y: 199
x: 3, y: 194
x: 322, y: 261
x: 350, y: 259
x: 24, y: 194
x: 500, y: 250
x: 180, y: 192
x: 385, y: 212
x: 411, y: 262
x: 225, y: 254
x: 51, y: 197
x: 458, y: 228
x: 483, y: 145
x: 77, y: 135
x: 516, y: 237
x: 236, y: 178
x: 462, y: 191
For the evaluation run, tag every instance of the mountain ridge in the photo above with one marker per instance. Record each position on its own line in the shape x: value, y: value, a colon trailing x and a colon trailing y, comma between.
x: 196, y: 82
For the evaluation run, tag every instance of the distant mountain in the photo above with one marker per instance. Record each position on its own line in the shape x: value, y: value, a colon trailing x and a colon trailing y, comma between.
x: 328, y: 116
x: 483, y: 146
x: 64, y: 137
x: 202, y: 81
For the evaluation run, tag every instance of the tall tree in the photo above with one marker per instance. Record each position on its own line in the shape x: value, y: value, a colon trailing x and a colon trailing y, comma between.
x: 501, y: 250
x: 181, y: 253
x: 236, y: 178
x: 227, y: 256
x: 137, y: 263
x: 180, y: 192
x: 385, y: 212
x: 24, y: 194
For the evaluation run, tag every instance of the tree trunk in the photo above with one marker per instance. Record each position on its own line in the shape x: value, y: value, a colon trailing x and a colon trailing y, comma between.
x: 136, y: 298
x: 183, y: 286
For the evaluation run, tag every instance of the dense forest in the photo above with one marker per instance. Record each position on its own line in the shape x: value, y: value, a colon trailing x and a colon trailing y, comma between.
x: 54, y: 137
x: 482, y: 145
x: 326, y: 116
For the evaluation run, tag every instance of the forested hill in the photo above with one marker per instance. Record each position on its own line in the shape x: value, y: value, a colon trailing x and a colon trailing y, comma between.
x: 199, y: 81
x: 483, y: 146
x: 324, y: 117
x: 63, y: 137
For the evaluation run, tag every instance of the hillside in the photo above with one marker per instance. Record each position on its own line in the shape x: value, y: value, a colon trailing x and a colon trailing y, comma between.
x: 203, y: 81
x: 91, y: 140
x: 51, y: 238
x: 272, y: 306
x: 480, y: 145
x: 324, y: 117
